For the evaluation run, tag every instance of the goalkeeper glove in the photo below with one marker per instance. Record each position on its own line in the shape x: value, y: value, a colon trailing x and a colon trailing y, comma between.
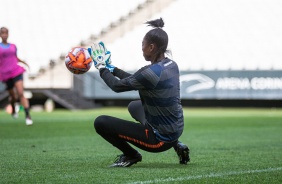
x: 110, y: 67
x: 100, y: 55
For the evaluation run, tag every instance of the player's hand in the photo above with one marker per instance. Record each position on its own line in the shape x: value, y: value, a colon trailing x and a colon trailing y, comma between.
x: 109, y: 66
x: 100, y: 55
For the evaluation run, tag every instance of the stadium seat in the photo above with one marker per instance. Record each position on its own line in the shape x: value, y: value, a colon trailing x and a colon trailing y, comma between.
x: 42, y: 30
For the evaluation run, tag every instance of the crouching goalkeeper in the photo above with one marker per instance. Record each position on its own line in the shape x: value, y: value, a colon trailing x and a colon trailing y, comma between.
x: 159, y: 110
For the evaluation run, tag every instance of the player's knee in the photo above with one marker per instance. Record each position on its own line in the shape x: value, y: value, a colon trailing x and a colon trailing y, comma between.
x: 13, y: 99
x: 133, y: 105
x: 21, y: 95
x: 99, y: 123
x: 129, y: 106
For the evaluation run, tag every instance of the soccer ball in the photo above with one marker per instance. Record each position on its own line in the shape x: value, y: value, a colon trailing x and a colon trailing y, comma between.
x: 78, y: 60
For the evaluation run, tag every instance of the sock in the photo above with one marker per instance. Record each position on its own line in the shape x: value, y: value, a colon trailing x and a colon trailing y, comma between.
x: 27, y: 115
x: 13, y: 108
x: 175, y: 146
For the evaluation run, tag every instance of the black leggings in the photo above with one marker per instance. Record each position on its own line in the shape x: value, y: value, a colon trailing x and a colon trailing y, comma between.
x: 120, y: 132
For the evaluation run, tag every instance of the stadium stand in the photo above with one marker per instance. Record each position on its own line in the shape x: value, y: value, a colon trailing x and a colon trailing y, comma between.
x: 215, y: 35
x: 57, y: 26
x: 43, y: 30
x: 204, y: 35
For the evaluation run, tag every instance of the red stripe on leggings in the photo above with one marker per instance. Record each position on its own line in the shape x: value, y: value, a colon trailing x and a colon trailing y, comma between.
x: 142, y: 143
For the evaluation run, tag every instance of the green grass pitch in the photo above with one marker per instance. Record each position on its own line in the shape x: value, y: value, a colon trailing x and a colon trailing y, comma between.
x: 227, y: 146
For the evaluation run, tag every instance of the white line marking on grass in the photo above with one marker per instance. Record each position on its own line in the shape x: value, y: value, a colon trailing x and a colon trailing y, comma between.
x: 212, y: 175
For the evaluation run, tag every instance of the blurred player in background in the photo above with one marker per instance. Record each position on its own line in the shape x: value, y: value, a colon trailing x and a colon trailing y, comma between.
x: 12, y: 74
x: 159, y: 111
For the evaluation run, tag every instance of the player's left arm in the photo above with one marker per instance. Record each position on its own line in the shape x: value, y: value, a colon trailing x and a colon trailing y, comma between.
x: 142, y: 79
x: 120, y: 73
x: 21, y: 61
x: 117, y: 85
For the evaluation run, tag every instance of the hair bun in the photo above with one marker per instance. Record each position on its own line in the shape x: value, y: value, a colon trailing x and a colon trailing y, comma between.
x: 157, y: 23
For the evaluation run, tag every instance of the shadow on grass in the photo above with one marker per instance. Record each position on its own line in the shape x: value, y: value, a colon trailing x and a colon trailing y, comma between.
x: 155, y: 165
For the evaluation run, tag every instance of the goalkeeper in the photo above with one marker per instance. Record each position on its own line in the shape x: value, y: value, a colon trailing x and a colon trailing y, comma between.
x: 159, y: 111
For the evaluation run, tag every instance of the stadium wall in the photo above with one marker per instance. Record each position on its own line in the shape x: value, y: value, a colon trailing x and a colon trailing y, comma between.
x: 241, y: 85
x: 256, y: 88
x: 229, y: 88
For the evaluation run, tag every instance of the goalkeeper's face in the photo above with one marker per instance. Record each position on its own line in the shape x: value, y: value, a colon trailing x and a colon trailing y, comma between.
x: 148, y: 49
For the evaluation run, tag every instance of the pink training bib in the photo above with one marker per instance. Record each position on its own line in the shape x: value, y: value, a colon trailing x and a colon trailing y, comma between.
x: 9, y: 67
